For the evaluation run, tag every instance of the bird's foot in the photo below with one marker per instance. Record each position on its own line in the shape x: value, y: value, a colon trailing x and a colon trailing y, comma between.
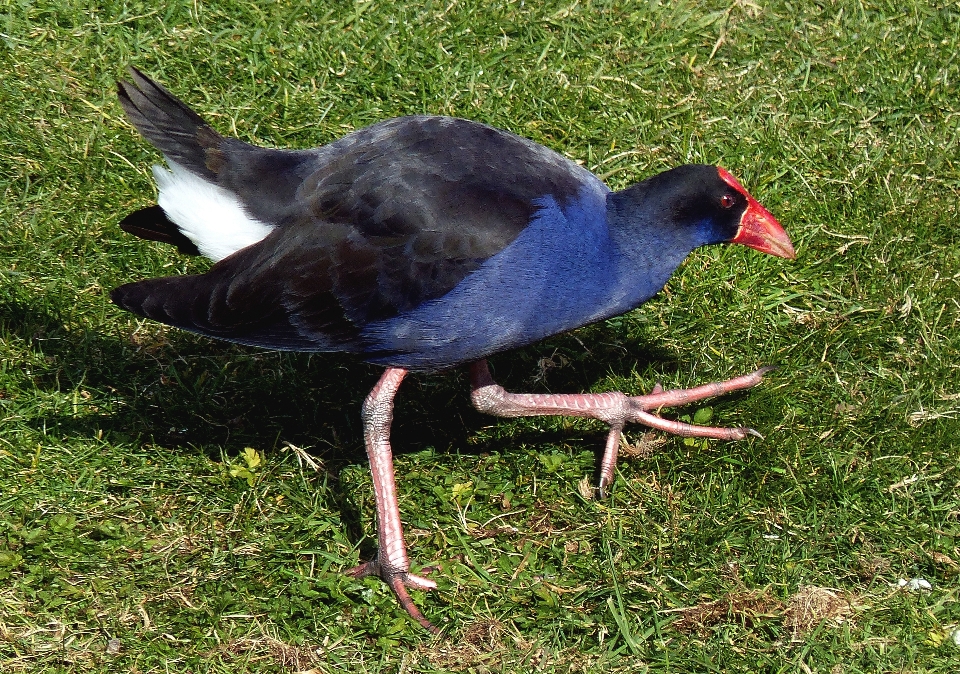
x: 614, y: 408
x: 658, y: 398
x: 637, y: 410
x: 399, y: 581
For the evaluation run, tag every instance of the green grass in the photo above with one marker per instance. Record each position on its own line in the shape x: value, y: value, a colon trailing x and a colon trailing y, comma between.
x: 126, y: 517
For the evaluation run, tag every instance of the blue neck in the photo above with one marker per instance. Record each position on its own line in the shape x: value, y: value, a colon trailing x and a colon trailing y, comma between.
x: 647, y: 250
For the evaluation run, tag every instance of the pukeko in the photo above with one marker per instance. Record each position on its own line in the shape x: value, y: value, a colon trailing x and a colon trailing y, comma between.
x: 421, y: 244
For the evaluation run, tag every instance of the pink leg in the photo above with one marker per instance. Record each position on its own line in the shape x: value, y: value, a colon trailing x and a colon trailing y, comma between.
x: 391, y: 563
x: 613, y: 408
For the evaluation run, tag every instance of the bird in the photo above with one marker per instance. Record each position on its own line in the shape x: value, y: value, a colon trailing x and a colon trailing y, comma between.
x: 421, y: 244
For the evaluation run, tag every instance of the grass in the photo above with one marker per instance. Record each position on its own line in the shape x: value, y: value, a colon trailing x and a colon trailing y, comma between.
x: 138, y: 532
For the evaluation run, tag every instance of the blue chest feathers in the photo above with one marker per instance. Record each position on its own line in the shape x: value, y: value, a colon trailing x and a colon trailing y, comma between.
x: 563, y: 271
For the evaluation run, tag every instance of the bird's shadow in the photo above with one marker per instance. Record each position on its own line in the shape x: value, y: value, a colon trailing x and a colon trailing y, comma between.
x: 182, y: 391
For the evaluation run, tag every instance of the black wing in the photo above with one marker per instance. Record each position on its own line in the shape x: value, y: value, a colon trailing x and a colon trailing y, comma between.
x: 367, y: 227
x: 278, y: 294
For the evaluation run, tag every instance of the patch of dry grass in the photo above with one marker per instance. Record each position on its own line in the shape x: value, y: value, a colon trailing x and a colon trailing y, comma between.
x: 801, y: 613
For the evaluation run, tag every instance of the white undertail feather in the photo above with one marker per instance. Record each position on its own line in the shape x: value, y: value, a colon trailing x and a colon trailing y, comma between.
x: 207, y: 214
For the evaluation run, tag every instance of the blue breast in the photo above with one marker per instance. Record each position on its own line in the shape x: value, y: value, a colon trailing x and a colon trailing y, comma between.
x: 563, y: 271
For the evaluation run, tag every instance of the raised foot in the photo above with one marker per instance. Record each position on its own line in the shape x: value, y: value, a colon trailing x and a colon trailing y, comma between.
x: 399, y: 581
x: 612, y: 407
x: 636, y: 409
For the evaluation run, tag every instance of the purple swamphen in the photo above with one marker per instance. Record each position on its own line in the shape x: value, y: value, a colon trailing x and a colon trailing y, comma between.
x: 423, y: 243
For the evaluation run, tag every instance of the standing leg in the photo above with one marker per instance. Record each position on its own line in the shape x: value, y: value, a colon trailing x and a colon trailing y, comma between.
x: 391, y: 563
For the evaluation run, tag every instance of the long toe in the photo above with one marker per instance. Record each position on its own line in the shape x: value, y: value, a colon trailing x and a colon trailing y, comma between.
x: 399, y: 586
x: 399, y: 581
x: 659, y: 397
x: 363, y: 570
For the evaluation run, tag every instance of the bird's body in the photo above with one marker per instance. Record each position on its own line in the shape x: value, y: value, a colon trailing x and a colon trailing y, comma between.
x: 418, y: 243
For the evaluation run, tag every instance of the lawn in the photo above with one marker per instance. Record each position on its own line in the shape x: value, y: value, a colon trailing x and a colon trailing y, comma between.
x: 171, y: 503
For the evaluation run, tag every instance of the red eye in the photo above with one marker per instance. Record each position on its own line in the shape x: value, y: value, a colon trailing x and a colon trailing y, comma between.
x: 726, y: 201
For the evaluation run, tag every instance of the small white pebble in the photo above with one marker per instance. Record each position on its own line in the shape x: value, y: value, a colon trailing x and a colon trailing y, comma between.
x: 915, y: 584
x: 955, y: 635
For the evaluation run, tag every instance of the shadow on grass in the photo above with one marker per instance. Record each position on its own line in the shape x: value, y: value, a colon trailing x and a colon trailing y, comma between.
x: 166, y: 387
x: 162, y: 385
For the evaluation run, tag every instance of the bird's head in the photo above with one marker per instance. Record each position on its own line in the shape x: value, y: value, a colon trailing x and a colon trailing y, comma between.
x: 706, y: 205
x: 697, y: 205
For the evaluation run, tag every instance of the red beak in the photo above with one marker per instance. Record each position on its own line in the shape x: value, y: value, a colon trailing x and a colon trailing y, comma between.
x: 758, y: 228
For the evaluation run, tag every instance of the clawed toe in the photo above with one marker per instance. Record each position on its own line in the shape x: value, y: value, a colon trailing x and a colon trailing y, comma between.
x: 418, y: 582
x: 399, y: 585
x: 363, y: 570
x: 399, y: 581
x: 641, y: 409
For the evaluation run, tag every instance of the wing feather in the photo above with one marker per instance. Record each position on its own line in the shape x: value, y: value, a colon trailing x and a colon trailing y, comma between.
x: 366, y: 228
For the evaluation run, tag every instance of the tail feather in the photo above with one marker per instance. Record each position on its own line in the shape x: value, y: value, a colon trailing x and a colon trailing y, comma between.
x: 176, y: 130
x: 151, y: 223
x: 197, y: 304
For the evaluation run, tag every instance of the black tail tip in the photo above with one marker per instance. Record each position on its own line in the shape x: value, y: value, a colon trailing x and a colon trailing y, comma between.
x: 127, y: 298
x: 117, y: 295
